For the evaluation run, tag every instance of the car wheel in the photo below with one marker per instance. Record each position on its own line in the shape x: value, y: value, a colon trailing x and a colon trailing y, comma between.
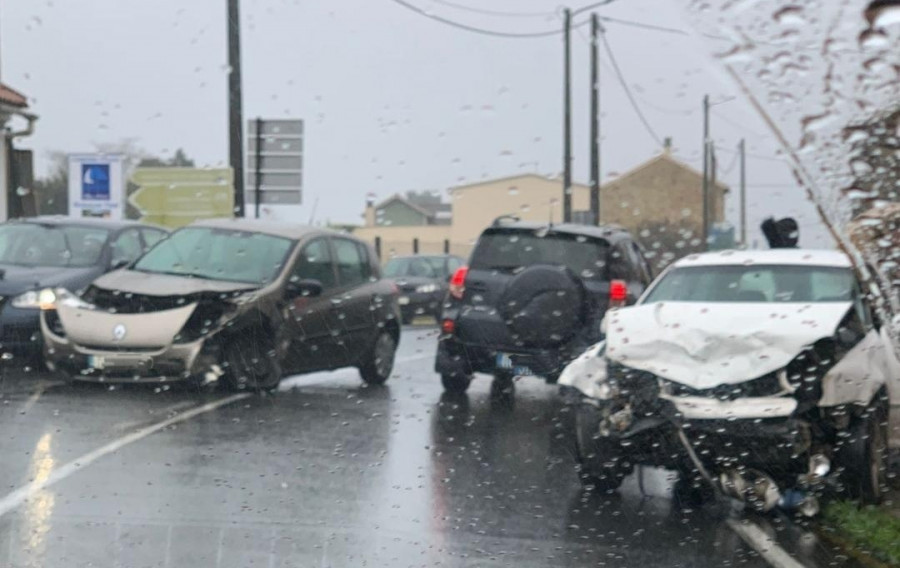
x: 456, y: 383
x: 864, y: 456
x: 380, y: 362
x: 251, y: 363
x: 603, y: 466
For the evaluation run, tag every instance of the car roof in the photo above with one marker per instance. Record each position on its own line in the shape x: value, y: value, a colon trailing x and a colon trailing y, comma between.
x: 63, y: 220
x: 610, y: 233
x: 804, y: 257
x: 424, y: 256
x: 277, y: 229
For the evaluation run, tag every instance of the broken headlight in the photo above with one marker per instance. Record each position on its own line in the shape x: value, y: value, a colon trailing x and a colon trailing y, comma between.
x: 206, y: 317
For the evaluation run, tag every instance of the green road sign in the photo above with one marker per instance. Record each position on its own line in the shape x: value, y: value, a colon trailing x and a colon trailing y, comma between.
x: 173, y: 197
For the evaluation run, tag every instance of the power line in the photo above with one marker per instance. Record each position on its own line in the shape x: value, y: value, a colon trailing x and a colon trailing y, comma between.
x: 474, y: 29
x: 492, y: 12
x: 749, y: 155
x: 628, y: 93
x: 737, y: 124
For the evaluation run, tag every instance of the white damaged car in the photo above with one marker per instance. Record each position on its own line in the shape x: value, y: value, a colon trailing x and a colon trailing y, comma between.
x: 765, y: 372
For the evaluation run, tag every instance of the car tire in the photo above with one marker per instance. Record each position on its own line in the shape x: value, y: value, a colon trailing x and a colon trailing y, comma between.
x: 456, y: 383
x: 863, y: 456
x: 378, y: 364
x: 251, y: 363
x: 602, y: 466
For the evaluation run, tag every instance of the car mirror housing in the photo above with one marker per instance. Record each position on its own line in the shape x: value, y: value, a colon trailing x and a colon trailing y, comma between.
x: 306, y: 287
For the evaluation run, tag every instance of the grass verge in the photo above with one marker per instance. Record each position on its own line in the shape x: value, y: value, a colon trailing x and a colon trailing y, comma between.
x: 875, y: 531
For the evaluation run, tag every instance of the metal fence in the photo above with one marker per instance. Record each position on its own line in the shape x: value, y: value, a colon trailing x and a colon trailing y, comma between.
x: 389, y: 249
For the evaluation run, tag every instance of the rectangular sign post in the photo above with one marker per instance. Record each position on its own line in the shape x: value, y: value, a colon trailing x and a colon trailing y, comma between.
x: 95, y: 185
x: 173, y: 197
x: 275, y: 160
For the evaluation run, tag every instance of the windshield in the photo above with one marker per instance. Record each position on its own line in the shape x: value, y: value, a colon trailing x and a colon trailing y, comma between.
x: 424, y: 267
x: 31, y: 244
x: 754, y: 283
x: 509, y: 250
x: 217, y: 254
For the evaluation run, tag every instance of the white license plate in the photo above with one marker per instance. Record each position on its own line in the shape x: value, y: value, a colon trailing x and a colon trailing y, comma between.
x: 504, y: 361
x: 96, y: 361
x: 403, y: 300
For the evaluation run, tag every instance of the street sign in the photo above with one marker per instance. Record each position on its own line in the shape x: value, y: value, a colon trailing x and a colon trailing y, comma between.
x: 275, y: 162
x: 173, y: 197
x: 95, y: 185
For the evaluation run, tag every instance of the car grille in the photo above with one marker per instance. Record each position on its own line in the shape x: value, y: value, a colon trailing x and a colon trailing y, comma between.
x: 127, y: 303
x: 767, y: 385
x: 113, y: 349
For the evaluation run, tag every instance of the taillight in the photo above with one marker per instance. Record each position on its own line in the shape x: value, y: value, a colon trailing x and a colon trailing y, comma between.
x: 448, y: 326
x: 618, y: 293
x: 458, y: 282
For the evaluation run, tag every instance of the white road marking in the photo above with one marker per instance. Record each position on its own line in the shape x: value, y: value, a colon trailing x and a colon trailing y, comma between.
x: 22, y: 494
x: 763, y: 544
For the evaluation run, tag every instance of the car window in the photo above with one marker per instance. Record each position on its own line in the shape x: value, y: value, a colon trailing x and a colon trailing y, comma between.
x: 218, y: 254
x: 127, y: 246
x: 778, y: 283
x: 152, y: 236
x: 505, y: 250
x: 421, y: 267
x: 453, y: 264
x: 366, y: 260
x: 315, y: 264
x: 351, y: 267
x: 643, y: 269
x: 34, y: 244
x: 620, y: 266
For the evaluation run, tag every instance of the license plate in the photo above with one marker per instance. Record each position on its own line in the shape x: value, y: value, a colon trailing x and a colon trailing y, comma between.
x: 96, y: 361
x: 504, y: 361
x: 403, y: 300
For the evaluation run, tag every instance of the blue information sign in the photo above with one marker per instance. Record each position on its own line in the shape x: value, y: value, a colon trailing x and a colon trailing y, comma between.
x: 95, y: 182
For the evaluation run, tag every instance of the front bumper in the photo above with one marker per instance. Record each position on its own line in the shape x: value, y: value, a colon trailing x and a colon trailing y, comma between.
x: 20, y: 331
x: 107, y: 364
x: 778, y: 445
x: 414, y: 304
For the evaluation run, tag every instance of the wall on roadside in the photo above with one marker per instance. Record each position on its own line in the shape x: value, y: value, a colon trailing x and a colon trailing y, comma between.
x: 531, y: 198
x: 397, y: 241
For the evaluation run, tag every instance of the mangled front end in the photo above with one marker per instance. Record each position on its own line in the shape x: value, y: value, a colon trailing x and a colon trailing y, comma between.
x: 111, y: 335
x: 766, y: 402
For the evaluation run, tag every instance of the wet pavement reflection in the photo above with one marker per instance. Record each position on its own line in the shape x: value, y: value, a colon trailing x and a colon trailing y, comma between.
x: 331, y: 473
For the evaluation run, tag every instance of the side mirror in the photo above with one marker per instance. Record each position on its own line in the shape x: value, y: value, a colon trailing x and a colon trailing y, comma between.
x: 306, y: 287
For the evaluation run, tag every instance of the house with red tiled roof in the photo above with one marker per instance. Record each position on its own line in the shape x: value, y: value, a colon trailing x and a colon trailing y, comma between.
x: 16, y: 122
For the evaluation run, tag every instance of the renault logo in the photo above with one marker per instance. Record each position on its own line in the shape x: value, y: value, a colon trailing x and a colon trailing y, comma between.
x: 119, y: 332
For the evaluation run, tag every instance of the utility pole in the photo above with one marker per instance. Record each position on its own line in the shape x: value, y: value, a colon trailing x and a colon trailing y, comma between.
x: 257, y: 195
x: 595, y: 122
x: 567, y: 119
x: 235, y: 104
x: 705, y: 231
x: 743, y: 166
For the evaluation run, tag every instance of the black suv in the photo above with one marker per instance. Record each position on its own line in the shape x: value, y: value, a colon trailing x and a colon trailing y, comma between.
x: 532, y: 299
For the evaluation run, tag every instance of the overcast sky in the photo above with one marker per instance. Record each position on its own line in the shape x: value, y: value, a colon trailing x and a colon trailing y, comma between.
x: 393, y: 101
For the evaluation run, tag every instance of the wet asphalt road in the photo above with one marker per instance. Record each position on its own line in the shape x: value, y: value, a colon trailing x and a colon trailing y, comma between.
x: 329, y: 473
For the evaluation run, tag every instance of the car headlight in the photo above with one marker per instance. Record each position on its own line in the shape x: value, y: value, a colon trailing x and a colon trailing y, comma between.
x: 44, y: 299
x: 426, y: 288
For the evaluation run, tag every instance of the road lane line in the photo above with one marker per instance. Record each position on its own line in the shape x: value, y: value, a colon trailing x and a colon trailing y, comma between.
x: 763, y: 544
x: 22, y: 494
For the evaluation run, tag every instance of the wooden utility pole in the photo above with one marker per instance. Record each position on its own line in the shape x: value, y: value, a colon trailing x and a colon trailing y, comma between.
x: 567, y: 118
x: 235, y: 107
x: 595, y: 122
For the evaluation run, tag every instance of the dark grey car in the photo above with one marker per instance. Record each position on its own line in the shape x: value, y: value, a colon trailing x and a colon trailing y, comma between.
x: 422, y: 282
x: 42, y: 254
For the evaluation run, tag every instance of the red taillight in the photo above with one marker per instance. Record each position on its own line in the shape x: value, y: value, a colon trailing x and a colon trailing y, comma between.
x: 618, y: 293
x: 448, y: 327
x: 458, y: 282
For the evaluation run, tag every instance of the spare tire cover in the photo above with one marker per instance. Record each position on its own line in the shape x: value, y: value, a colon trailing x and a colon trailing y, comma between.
x: 543, y: 305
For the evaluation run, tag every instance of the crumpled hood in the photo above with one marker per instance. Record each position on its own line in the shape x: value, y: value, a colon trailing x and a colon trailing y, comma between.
x: 164, y: 284
x: 703, y: 345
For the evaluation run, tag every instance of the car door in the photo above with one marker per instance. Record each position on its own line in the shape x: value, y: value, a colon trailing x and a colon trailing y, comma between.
x: 352, y: 305
x: 309, y: 319
x: 126, y: 247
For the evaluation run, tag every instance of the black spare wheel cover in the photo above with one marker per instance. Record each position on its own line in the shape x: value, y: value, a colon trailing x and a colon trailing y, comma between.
x: 543, y: 305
